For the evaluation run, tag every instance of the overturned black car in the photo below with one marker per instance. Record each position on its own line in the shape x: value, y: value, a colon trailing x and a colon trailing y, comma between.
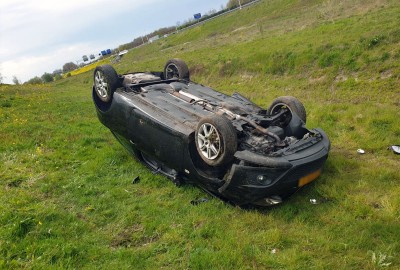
x: 227, y: 145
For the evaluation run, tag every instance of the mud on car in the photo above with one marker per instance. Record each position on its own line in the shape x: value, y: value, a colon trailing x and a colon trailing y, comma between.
x: 226, y: 145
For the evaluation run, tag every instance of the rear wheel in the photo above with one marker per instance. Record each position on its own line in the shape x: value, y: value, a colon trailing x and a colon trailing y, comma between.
x: 216, y: 140
x: 105, y: 82
x: 292, y: 104
x: 176, y: 68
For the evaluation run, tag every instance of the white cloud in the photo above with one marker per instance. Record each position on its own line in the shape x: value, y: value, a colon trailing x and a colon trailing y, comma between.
x: 34, y: 34
x: 25, y: 68
x: 27, y: 25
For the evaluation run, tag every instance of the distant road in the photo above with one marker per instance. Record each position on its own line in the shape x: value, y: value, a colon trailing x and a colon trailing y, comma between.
x: 212, y: 18
x: 199, y: 23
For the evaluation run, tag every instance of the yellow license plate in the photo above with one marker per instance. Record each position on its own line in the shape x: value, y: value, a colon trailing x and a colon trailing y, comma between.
x: 309, y: 178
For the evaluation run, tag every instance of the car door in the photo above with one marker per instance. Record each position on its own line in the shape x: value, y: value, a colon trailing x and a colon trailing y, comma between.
x: 156, y: 137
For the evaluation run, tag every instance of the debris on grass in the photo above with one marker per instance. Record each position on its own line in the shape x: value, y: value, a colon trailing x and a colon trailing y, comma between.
x: 136, y: 180
x: 198, y: 201
x: 320, y: 200
x: 313, y: 201
x: 395, y: 149
x: 360, y: 151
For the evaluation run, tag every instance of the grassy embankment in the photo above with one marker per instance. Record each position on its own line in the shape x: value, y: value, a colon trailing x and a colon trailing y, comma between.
x: 67, y: 197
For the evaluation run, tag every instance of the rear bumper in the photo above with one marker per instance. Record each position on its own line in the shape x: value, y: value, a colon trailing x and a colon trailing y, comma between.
x: 261, y: 177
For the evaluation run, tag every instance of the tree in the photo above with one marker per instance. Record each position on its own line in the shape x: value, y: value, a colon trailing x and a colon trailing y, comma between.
x: 57, y: 77
x: 67, y: 67
x: 235, y: 3
x: 47, y: 77
x: 57, y: 71
x: 1, y: 79
x: 232, y: 4
x: 35, y: 80
x: 211, y: 12
x: 15, y: 80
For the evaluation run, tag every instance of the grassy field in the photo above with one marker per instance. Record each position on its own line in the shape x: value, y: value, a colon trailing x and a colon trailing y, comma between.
x: 67, y: 197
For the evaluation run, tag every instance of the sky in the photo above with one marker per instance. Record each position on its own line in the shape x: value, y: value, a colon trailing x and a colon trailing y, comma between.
x: 38, y: 36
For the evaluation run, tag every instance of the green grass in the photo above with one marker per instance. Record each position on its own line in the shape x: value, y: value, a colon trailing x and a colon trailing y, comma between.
x: 67, y: 198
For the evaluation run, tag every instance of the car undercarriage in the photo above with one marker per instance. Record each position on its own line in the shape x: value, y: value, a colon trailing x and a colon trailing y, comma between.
x: 227, y: 145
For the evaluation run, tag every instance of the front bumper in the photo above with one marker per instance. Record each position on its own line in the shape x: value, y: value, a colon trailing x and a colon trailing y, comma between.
x: 258, y: 178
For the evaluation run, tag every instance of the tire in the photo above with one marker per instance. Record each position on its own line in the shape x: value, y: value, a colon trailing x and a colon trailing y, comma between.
x: 105, y: 82
x: 176, y: 68
x: 293, y: 104
x: 216, y: 140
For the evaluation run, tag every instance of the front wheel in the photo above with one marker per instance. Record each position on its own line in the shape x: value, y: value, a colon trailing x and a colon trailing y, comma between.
x: 105, y: 82
x: 216, y: 140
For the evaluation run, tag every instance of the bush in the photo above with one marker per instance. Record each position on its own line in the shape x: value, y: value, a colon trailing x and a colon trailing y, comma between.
x: 47, y: 77
x: 67, y: 67
x: 35, y: 80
